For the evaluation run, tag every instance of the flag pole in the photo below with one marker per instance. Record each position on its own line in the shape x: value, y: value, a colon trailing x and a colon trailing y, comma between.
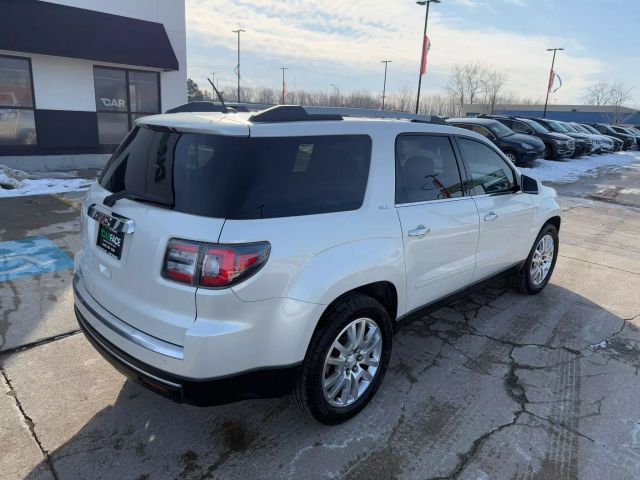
x: 426, y: 19
x: 551, y: 78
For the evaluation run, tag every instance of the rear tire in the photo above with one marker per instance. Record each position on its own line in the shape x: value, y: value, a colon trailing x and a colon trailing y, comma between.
x: 537, y: 269
x: 336, y: 362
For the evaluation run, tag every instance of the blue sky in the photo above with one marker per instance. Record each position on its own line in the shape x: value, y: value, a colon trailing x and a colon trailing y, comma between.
x: 325, y: 42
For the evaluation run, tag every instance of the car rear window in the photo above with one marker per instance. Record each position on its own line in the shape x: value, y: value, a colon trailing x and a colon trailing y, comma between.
x: 242, y: 177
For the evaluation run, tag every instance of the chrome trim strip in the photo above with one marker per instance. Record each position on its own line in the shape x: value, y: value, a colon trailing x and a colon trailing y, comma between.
x: 133, y: 367
x: 105, y: 218
x: 125, y: 330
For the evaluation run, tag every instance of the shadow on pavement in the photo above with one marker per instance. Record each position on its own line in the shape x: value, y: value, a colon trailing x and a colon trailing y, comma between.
x: 497, y: 385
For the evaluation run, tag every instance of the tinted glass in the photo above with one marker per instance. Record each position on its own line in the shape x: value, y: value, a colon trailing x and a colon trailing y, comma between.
x: 243, y: 178
x: 520, y: 127
x: 536, y: 126
x: 143, y: 92
x: 426, y: 169
x: 489, y: 172
x: 112, y: 127
x: 499, y: 130
x: 17, y: 127
x: 111, y: 90
x: 15, y: 82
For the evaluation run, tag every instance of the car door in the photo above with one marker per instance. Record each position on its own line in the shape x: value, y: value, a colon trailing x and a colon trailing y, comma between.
x: 506, y: 214
x: 440, y: 224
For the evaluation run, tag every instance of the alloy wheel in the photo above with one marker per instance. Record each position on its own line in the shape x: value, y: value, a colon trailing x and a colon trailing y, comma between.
x: 542, y: 260
x: 352, y: 362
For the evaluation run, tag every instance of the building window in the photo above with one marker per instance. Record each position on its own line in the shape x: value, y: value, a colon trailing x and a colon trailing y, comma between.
x: 122, y: 96
x: 17, y: 121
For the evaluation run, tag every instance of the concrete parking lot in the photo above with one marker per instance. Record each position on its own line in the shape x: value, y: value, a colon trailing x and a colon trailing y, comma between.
x: 496, y: 386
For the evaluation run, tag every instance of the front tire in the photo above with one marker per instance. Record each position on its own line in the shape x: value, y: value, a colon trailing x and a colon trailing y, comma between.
x: 346, y: 360
x: 513, y: 157
x: 536, y: 271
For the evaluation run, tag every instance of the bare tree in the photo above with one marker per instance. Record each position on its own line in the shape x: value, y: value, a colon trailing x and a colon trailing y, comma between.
x: 474, y: 78
x: 402, y: 99
x: 467, y: 83
x: 620, y: 95
x: 598, y: 94
x: 493, y: 85
x: 456, y: 87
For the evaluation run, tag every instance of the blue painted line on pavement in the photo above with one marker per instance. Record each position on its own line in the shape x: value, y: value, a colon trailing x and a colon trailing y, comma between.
x: 31, y: 256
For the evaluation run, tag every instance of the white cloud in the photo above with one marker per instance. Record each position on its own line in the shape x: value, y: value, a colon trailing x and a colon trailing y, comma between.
x: 354, y: 36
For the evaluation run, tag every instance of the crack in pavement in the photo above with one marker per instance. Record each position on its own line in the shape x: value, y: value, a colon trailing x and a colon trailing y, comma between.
x: 30, y: 424
x: 514, y: 387
x: 599, y: 264
x: 44, y: 341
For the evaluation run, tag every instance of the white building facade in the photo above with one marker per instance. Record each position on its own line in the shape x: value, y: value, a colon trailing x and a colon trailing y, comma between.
x: 75, y: 74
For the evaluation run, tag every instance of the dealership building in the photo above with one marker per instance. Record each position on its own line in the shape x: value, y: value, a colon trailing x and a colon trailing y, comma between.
x: 76, y: 74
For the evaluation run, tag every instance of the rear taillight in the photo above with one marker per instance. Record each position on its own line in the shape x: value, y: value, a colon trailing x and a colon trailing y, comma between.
x: 213, y: 265
x: 180, y: 261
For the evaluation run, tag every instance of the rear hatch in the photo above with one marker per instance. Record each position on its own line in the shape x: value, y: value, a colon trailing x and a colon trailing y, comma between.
x: 178, y: 186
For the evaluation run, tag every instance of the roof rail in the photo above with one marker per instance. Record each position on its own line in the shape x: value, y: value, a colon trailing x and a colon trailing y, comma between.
x: 290, y: 113
x: 371, y: 112
x: 296, y: 113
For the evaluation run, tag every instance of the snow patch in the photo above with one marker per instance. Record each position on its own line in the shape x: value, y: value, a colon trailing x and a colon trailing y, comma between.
x: 10, y: 178
x: 16, y: 183
x: 565, y: 171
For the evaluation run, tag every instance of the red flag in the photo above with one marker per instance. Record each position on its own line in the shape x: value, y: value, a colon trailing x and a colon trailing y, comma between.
x: 426, y: 45
x: 552, y: 75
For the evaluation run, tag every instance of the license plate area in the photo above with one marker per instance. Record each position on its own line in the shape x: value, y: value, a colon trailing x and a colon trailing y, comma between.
x: 110, y: 241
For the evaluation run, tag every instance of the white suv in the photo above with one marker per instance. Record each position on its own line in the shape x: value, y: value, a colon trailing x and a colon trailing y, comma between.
x: 227, y: 256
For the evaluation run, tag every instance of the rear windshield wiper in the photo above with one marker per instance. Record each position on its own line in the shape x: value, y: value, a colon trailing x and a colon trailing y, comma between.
x: 110, y: 200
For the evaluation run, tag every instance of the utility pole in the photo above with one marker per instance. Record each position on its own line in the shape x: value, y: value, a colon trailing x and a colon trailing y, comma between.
x: 284, y: 88
x: 384, y: 85
x: 551, y: 78
x: 424, y: 35
x: 238, y: 66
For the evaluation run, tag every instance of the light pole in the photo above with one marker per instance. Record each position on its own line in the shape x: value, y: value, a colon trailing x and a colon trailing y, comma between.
x: 238, y: 66
x: 384, y: 85
x: 426, y: 19
x: 337, y: 93
x: 283, y: 84
x: 551, y: 77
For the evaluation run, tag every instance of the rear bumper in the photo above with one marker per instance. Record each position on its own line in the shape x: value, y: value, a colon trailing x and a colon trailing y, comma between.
x: 260, y: 383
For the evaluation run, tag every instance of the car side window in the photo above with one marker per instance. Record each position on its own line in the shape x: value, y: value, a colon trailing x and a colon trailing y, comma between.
x: 426, y: 169
x: 482, y: 131
x: 489, y: 173
x: 520, y: 127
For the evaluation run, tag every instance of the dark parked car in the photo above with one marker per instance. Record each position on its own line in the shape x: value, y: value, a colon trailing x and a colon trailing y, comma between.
x: 617, y: 143
x: 583, y: 142
x: 557, y: 145
x: 628, y: 131
x: 605, y: 144
x: 629, y: 141
x: 520, y: 149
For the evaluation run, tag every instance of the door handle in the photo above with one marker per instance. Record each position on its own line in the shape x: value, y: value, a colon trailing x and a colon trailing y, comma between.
x: 490, y: 217
x: 419, y: 232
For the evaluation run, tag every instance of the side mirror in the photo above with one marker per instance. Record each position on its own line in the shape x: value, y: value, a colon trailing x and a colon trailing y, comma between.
x: 529, y: 185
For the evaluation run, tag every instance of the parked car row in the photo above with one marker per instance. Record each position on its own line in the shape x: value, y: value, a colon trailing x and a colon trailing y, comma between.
x: 524, y: 140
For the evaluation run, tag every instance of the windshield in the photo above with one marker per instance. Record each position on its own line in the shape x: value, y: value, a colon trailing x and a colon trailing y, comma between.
x: 557, y: 127
x: 536, y: 126
x: 499, y: 130
x: 570, y: 128
x: 580, y: 128
x: 242, y: 177
x: 607, y: 128
x: 591, y: 129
